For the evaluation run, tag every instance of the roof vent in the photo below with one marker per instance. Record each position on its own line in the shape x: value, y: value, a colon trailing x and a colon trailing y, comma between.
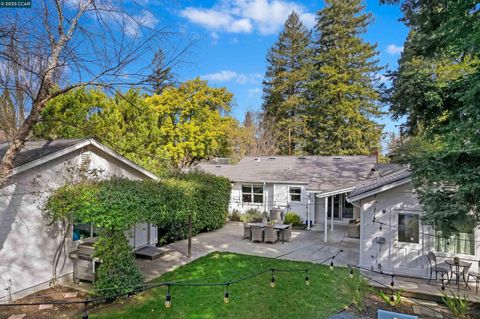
x: 85, y: 161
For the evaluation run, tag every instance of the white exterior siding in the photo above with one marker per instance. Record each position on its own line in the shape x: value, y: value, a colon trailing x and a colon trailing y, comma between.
x: 394, y: 256
x: 27, y: 243
x: 274, y: 196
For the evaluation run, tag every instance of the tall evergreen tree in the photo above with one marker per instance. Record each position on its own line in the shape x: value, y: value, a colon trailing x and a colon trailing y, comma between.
x: 284, y: 85
x: 342, y: 92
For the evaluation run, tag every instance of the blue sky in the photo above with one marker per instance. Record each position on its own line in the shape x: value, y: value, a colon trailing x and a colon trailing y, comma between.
x: 232, y: 38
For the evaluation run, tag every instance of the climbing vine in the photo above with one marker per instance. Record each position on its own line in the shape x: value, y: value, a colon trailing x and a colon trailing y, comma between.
x: 115, y: 205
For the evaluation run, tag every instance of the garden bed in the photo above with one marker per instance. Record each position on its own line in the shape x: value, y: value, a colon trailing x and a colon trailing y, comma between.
x: 56, y: 311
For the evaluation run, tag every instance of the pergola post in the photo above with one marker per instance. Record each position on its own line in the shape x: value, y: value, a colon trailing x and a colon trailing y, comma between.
x: 331, y: 212
x: 326, y: 220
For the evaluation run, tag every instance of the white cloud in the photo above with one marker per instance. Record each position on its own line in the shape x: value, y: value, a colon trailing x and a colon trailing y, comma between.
x: 394, y: 49
x: 216, y: 20
x: 229, y: 76
x: 133, y: 24
x: 254, y: 91
x: 243, y: 16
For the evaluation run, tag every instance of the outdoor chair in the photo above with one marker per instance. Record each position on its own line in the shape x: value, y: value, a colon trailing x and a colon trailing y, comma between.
x: 246, y: 231
x: 257, y: 233
x: 436, y: 268
x: 271, y: 234
x: 288, y: 233
x: 476, y: 277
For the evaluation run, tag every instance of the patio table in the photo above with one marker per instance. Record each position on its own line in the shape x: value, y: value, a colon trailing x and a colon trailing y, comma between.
x: 457, y: 266
x: 280, y: 227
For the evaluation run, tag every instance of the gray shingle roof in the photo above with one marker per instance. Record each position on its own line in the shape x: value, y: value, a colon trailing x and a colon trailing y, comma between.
x: 34, y: 150
x: 320, y: 173
x: 398, y: 175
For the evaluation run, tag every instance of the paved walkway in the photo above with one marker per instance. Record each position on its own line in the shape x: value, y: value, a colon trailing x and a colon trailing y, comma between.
x: 304, y: 246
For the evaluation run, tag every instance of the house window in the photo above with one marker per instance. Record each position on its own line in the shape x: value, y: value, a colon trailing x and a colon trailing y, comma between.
x: 461, y: 243
x: 252, y: 194
x: 295, y: 194
x: 408, y: 228
x: 84, y: 230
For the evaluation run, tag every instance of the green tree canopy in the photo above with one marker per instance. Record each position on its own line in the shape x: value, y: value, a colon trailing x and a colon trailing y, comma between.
x: 437, y: 88
x: 174, y: 129
x: 284, y: 85
x: 343, y: 98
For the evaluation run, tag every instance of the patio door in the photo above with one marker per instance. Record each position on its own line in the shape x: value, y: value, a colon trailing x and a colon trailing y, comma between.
x: 407, y: 243
x: 141, y: 235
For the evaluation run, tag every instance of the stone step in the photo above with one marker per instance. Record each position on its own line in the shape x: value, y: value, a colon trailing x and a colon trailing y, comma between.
x: 151, y: 252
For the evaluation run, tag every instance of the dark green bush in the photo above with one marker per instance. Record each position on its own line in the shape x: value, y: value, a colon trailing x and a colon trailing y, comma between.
x: 118, y: 272
x: 252, y: 215
x: 118, y: 204
x: 293, y: 218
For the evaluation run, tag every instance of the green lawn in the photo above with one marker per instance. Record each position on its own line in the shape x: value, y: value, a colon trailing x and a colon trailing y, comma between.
x: 327, y: 293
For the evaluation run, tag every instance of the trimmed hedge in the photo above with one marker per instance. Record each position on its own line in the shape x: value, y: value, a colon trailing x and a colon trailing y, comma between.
x: 118, y: 203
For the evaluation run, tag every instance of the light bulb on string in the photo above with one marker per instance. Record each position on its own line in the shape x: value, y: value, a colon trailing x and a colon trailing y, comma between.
x: 392, y: 298
x: 272, y: 281
x: 351, y: 273
x: 226, y: 295
x: 331, y: 265
x: 307, y: 281
x: 392, y: 283
x: 168, y: 299
x: 443, y: 285
x: 85, y: 313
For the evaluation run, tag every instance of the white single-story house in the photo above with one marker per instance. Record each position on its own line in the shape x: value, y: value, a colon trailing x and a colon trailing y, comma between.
x: 392, y: 237
x: 27, y: 243
x: 314, y: 187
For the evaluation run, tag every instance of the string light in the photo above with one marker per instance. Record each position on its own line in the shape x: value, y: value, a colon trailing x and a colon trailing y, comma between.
x: 443, y: 285
x: 392, y: 298
x: 331, y: 264
x: 272, y: 281
x: 85, y: 313
x: 168, y: 299
x: 226, y: 295
x: 351, y: 273
x: 307, y: 281
x: 392, y: 283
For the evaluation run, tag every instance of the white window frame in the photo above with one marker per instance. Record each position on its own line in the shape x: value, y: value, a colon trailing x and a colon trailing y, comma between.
x: 294, y: 194
x: 253, y: 194
x: 398, y: 230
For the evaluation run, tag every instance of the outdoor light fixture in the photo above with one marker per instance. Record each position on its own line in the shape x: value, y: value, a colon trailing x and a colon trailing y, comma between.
x: 168, y: 299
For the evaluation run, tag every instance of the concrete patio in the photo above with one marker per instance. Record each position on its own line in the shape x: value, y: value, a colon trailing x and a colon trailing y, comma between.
x: 304, y: 246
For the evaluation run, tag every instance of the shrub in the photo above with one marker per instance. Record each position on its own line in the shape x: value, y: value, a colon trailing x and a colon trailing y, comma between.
x: 252, y: 215
x: 118, y: 204
x: 294, y: 219
x: 358, y: 288
x: 118, y: 273
x: 235, y: 216
x: 457, y: 305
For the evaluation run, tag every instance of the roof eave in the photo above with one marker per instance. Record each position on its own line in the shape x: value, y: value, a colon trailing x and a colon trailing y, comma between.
x: 77, y: 146
x: 378, y: 190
